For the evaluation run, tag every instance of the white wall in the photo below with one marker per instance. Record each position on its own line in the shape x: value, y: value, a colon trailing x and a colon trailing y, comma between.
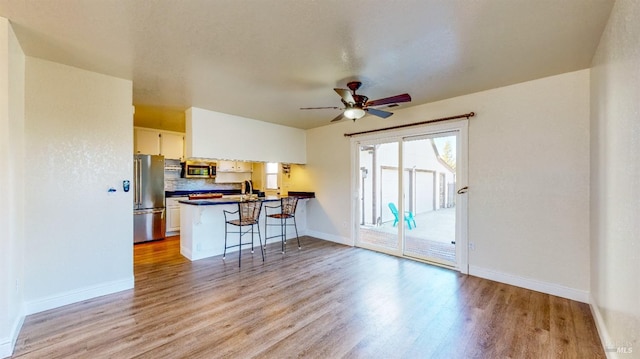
x: 12, y: 63
x: 328, y: 168
x: 615, y: 179
x: 528, y: 180
x: 218, y: 135
x: 78, y: 143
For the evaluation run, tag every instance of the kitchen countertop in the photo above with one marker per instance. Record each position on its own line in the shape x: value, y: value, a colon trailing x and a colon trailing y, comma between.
x: 236, y: 198
x: 228, y: 200
x: 227, y: 192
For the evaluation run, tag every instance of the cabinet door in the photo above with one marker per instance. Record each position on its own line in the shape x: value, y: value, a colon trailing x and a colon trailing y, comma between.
x: 173, y: 213
x: 147, y: 142
x: 244, y: 166
x: 174, y: 201
x: 173, y: 219
x: 172, y: 145
x: 226, y: 166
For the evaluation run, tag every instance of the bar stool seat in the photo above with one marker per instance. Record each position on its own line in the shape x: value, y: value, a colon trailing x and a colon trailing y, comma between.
x: 287, y: 211
x: 248, y: 215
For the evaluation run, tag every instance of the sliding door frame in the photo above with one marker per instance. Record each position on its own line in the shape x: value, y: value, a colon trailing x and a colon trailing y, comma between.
x: 398, y: 136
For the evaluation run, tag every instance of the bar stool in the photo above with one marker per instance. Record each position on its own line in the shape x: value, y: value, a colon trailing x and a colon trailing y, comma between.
x: 248, y: 216
x: 287, y: 211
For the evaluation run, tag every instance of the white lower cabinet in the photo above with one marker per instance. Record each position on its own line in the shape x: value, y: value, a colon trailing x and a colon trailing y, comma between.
x: 173, y: 214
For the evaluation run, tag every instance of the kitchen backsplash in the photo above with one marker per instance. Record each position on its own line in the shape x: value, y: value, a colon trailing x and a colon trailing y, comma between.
x: 195, y: 184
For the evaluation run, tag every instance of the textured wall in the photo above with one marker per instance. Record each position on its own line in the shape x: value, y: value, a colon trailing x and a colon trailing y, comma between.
x: 78, y: 144
x: 12, y: 62
x: 615, y: 179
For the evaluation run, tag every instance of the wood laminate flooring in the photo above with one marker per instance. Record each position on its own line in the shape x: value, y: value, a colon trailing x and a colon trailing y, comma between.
x: 324, y: 301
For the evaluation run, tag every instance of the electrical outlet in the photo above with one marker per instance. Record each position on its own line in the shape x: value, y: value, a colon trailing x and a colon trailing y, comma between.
x: 472, y: 246
x: 17, y: 286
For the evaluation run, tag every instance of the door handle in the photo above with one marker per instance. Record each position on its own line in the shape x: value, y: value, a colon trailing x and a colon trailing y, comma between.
x: 135, y: 182
x: 138, y: 174
x: 139, y: 181
x: 464, y: 189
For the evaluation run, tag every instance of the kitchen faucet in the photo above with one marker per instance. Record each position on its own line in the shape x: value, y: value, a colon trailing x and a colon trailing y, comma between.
x: 244, y: 188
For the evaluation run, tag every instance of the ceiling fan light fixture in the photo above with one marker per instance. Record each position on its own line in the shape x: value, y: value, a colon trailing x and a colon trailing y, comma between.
x: 354, y: 113
x: 357, y: 106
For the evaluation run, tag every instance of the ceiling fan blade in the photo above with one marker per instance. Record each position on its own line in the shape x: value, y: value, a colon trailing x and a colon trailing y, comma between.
x: 346, y: 95
x: 320, y: 108
x: 405, y: 97
x: 379, y: 113
x: 338, y: 118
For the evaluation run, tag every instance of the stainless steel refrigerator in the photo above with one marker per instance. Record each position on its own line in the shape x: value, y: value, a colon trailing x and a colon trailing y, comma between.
x: 148, y: 198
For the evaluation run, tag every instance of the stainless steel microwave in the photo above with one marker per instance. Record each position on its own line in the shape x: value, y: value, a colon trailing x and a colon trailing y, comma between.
x: 199, y: 169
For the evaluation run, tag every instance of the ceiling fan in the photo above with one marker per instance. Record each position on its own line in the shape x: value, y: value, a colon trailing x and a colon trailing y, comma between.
x: 357, y: 106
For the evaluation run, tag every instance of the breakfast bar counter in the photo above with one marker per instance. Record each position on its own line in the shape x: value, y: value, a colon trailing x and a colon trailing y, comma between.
x: 202, y: 224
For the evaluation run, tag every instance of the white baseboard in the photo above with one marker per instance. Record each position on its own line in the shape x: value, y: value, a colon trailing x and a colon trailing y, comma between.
x: 78, y: 295
x: 533, y: 284
x: 6, y: 349
x: 186, y: 252
x: 609, y: 346
x: 329, y: 237
x: 197, y: 255
x: 8, y: 343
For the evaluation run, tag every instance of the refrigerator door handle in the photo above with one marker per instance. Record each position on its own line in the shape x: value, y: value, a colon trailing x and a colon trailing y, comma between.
x: 139, y: 182
x: 135, y: 182
x: 138, y: 173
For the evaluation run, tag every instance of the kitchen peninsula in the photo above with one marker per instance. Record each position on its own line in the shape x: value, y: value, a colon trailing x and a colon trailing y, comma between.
x: 202, y: 224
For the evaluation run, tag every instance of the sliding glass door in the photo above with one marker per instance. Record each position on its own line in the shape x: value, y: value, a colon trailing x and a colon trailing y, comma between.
x: 430, y: 201
x: 407, y: 184
x: 378, y: 183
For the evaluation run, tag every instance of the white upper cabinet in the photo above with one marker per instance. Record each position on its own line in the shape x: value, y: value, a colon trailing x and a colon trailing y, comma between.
x: 226, y: 166
x: 234, y: 166
x: 172, y: 145
x: 148, y: 141
x: 242, y: 166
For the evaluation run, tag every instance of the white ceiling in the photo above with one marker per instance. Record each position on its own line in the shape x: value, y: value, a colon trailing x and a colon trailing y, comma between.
x: 264, y: 59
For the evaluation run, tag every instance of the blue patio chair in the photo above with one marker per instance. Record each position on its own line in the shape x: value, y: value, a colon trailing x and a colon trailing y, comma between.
x: 408, y: 216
